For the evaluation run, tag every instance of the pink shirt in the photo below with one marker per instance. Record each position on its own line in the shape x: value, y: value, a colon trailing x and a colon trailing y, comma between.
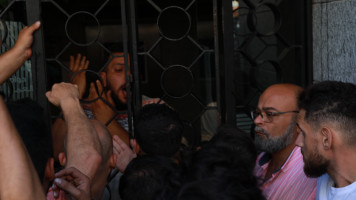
x: 289, y: 182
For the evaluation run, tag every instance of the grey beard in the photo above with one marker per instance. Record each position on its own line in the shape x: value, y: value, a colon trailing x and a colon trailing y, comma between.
x: 275, y: 143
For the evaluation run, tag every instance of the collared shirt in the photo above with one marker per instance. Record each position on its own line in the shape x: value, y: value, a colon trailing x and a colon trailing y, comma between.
x: 289, y: 182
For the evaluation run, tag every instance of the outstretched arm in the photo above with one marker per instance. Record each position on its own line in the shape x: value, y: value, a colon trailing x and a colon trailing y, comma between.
x: 18, y: 177
x: 11, y: 60
x: 82, y: 144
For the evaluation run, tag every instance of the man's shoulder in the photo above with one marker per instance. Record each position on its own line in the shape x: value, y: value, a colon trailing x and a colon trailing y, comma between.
x: 148, y: 100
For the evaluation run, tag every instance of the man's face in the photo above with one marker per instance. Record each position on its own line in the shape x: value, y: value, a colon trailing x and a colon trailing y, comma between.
x: 116, y: 80
x: 265, y: 142
x: 315, y: 164
x: 277, y: 134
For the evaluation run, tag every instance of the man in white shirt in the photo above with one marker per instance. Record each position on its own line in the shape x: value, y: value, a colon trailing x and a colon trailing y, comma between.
x: 327, y: 136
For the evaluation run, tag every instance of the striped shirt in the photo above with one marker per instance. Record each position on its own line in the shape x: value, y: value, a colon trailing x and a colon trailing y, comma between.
x: 287, y: 183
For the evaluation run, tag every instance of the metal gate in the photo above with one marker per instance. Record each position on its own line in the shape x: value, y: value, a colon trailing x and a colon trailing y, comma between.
x: 209, y: 60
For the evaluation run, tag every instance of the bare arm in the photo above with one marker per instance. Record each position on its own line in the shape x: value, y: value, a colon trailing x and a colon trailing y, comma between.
x: 11, y: 60
x: 18, y: 177
x: 82, y: 143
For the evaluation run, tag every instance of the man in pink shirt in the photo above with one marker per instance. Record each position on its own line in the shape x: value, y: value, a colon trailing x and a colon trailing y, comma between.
x: 279, y: 167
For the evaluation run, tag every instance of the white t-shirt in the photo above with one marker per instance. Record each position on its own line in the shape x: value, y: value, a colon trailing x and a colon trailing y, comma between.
x: 326, y: 191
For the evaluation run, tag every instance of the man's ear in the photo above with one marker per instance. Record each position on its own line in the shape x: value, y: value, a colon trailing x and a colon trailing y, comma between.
x: 112, y: 161
x: 103, y: 76
x: 326, y: 138
x: 49, y: 170
x: 62, y: 159
x: 135, y: 146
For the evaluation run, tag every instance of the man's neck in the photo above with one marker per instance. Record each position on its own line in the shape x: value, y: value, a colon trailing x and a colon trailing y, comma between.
x: 342, y: 170
x: 278, y: 159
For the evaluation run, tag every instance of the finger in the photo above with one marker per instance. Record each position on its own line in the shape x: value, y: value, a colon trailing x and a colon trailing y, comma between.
x: 123, y: 145
x: 100, y: 88
x: 33, y: 27
x: 92, y: 92
x: 82, y: 62
x: 67, y: 186
x: 109, y: 98
x: 117, y: 146
x: 77, y: 62
x: 86, y: 65
x: 71, y: 63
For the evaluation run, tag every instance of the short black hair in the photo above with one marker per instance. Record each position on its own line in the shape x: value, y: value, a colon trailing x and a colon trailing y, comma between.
x: 158, y: 130
x: 29, y: 119
x: 230, y: 149
x: 222, y: 168
x: 331, y: 102
x: 150, y: 177
x: 213, y: 188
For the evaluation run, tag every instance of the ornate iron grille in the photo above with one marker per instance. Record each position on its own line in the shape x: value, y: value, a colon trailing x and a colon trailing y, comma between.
x: 204, y: 58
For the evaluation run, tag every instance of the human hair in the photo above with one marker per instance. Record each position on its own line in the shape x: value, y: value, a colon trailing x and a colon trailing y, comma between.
x: 158, y: 130
x: 333, y: 103
x: 230, y: 149
x: 238, y: 143
x: 213, y: 188
x: 150, y: 177
x: 30, y: 122
x: 225, y: 162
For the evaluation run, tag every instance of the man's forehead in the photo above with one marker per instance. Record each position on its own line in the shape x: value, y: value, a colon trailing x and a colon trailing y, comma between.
x: 277, y: 101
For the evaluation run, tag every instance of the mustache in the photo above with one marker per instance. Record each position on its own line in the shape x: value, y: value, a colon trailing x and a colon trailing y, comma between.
x: 261, y: 130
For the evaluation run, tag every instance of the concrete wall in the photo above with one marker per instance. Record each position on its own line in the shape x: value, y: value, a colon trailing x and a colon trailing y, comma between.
x: 334, y: 40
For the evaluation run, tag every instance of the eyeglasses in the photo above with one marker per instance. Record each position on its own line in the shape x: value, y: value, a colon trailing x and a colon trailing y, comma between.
x: 268, y: 116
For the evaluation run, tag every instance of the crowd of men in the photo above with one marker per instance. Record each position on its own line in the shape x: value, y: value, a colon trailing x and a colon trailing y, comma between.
x: 306, y: 139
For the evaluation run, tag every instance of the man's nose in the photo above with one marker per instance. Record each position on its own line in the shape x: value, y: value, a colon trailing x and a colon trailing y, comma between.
x: 258, y: 119
x: 299, y: 140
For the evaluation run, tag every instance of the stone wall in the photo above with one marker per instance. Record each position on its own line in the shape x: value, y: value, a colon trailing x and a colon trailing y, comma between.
x: 334, y: 40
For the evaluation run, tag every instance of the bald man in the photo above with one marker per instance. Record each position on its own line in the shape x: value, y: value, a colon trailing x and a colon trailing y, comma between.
x: 280, y: 166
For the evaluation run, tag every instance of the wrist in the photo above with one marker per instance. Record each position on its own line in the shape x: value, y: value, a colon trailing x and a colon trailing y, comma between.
x: 70, y: 104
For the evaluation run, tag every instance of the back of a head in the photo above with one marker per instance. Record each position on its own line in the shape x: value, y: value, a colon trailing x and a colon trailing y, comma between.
x: 331, y: 102
x: 30, y: 122
x: 158, y: 130
x: 149, y: 177
x: 219, y: 188
x: 237, y: 143
x: 229, y: 150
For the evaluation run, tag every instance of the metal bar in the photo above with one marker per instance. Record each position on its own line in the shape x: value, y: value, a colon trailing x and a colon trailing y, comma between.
x: 308, y: 20
x: 38, y: 61
x: 101, y: 7
x: 190, y: 5
x: 59, y: 7
x: 133, y: 28
x: 217, y: 56
x: 6, y: 9
x: 155, y: 6
x: 127, y: 67
x: 229, y: 62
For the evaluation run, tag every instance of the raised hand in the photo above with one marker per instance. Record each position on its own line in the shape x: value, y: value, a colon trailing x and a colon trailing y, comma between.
x: 101, y: 110
x: 11, y: 60
x: 79, y: 65
x: 61, y: 92
x: 124, y: 154
x: 25, y: 39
